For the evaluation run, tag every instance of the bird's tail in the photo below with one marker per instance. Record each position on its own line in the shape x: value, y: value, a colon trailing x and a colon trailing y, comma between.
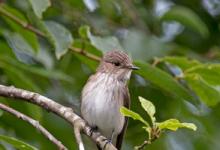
x: 98, y: 147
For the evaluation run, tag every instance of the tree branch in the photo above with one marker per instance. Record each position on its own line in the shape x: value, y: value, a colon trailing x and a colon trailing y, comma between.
x: 140, y: 147
x: 62, y: 111
x: 29, y: 27
x: 20, y: 22
x: 35, y: 124
x: 85, y: 53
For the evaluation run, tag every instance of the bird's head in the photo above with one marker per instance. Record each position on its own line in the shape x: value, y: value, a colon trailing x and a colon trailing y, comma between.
x: 117, y: 63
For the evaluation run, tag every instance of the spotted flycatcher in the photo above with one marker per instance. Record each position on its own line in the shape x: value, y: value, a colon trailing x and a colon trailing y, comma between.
x: 105, y: 92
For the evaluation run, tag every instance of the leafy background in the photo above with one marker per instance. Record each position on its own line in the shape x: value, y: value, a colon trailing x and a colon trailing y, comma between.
x: 175, y: 43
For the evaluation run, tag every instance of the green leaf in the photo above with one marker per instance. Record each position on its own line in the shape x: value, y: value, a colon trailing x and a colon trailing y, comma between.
x: 149, y: 108
x: 29, y: 36
x: 207, y: 93
x: 182, y: 62
x: 39, y: 6
x: 13, y: 11
x: 202, y: 78
x: 59, y: 36
x: 133, y: 115
x: 21, y: 48
x: 1, y: 112
x: 21, y: 80
x: 2, y: 147
x: 84, y: 31
x: 163, y: 80
x: 45, y: 58
x: 174, y: 124
x: 17, y: 143
x: 209, y: 72
x: 18, y: 78
x: 188, y: 18
x: 5, y: 50
x: 101, y: 43
x: 53, y: 74
x: 105, y: 43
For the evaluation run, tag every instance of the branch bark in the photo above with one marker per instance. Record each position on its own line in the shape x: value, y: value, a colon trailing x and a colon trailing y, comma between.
x: 58, y: 109
x: 35, y: 124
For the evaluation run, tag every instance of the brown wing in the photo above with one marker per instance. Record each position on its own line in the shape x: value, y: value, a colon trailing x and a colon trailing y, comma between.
x: 127, y: 105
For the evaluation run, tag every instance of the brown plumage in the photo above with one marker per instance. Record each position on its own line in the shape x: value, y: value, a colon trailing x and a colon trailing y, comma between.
x: 105, y: 92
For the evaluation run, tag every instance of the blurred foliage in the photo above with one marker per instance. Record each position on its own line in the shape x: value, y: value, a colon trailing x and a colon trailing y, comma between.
x: 16, y: 143
x: 175, y: 43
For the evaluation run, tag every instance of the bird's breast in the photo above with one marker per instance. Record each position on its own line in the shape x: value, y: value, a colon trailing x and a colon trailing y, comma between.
x: 101, y: 102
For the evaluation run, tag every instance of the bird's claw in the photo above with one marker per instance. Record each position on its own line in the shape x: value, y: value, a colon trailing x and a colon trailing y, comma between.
x: 93, y: 129
x: 107, y: 141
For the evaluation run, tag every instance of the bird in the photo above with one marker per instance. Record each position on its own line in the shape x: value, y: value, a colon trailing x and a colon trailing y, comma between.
x: 105, y: 92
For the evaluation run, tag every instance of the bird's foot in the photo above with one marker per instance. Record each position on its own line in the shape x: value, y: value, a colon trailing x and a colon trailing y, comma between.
x: 107, y: 141
x: 93, y: 129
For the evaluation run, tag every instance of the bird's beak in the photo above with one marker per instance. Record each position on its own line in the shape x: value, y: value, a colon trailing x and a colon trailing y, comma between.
x: 134, y: 67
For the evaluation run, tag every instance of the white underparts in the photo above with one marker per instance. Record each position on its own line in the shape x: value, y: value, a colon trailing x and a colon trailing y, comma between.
x: 101, y: 102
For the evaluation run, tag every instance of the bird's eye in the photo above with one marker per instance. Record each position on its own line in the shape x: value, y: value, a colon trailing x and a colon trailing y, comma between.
x: 116, y: 63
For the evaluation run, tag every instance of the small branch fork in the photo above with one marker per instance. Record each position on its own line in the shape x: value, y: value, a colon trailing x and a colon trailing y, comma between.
x: 64, y: 112
x: 155, y: 134
x: 35, y: 124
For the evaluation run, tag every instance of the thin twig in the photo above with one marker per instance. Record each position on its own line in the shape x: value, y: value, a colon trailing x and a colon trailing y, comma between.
x: 144, y: 144
x: 154, y: 135
x: 85, y: 53
x: 29, y: 27
x: 22, y: 23
x: 77, y: 129
x: 62, y: 111
x: 35, y: 124
x: 156, y: 61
